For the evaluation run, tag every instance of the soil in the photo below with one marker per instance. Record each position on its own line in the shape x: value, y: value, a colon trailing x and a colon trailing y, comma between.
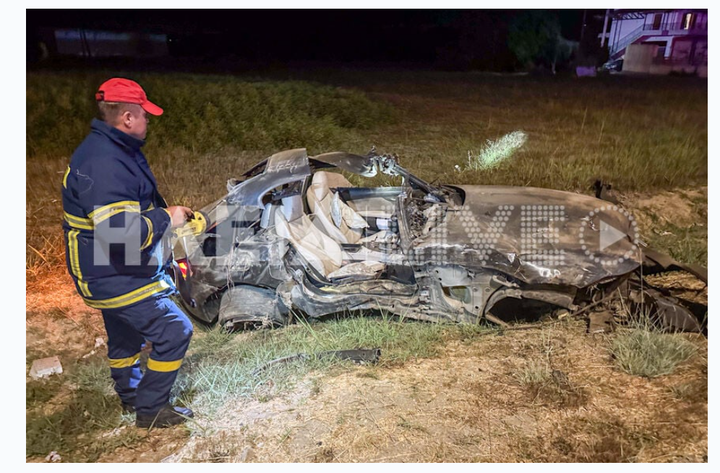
x: 467, y: 405
x: 676, y: 207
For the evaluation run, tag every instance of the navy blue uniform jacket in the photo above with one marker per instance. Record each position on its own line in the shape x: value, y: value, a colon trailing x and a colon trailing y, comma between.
x: 114, y: 221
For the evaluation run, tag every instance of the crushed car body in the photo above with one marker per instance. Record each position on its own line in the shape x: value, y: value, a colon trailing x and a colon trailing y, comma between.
x: 293, y: 235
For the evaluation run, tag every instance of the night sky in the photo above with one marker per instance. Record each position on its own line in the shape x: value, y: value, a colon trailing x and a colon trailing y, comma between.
x: 452, y: 39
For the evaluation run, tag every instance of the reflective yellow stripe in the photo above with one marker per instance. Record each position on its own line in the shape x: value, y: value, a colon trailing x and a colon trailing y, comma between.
x: 73, y: 253
x: 149, y: 237
x: 105, y: 208
x: 105, y: 212
x: 104, y: 216
x: 79, y: 222
x: 84, y: 288
x: 150, y: 207
x: 67, y: 171
x: 75, y: 262
x: 164, y: 366
x: 124, y: 362
x: 129, y: 298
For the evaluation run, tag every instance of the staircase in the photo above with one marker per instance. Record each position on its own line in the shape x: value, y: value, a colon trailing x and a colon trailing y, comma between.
x: 619, y: 47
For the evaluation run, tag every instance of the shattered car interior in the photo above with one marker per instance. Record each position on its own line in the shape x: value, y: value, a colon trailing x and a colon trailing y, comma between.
x: 294, y: 236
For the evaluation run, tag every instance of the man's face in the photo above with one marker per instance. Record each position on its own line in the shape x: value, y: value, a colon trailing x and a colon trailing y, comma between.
x: 135, y: 121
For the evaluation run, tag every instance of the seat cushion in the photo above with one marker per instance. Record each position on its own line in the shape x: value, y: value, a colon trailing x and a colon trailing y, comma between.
x: 320, y: 200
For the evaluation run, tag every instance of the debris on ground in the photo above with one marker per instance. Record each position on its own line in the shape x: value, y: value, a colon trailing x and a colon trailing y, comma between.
x: 357, y: 356
x: 45, y: 367
x: 600, y: 322
x: 98, y: 343
x: 53, y: 457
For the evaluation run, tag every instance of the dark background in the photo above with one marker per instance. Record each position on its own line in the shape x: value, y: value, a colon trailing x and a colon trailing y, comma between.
x: 438, y: 39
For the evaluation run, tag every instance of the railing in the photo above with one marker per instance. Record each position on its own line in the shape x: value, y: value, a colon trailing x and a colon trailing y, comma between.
x: 664, y: 26
x: 685, y: 61
x: 675, y: 27
x: 629, y: 38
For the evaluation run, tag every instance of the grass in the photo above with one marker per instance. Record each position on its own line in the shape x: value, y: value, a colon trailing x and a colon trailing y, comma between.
x: 222, y: 364
x: 547, y: 385
x: 645, y: 134
x: 218, y: 367
x: 69, y: 415
x: 592, y: 441
x: 535, y: 373
x: 687, y: 244
x: 644, y: 350
x: 494, y: 152
x: 638, y: 134
x: 206, y: 114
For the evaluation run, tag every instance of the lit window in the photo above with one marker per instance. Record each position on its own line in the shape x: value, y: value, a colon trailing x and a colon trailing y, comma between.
x: 687, y: 21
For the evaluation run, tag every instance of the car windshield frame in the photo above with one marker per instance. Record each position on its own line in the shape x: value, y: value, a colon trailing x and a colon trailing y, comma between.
x: 286, y: 167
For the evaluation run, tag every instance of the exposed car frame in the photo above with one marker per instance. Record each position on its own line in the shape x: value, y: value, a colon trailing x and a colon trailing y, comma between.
x: 290, y: 236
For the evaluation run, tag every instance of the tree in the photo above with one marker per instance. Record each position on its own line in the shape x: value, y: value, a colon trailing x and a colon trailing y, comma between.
x: 534, y: 37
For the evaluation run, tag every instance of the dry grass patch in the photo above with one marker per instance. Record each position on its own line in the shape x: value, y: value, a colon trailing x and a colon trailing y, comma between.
x: 468, y: 405
x: 551, y: 386
x: 649, y: 352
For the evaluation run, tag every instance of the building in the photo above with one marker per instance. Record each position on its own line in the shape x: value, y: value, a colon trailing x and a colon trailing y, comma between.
x: 658, y: 41
x: 98, y: 43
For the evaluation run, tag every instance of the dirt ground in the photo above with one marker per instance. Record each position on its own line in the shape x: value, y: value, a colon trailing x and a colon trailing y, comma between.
x: 466, y: 405
x: 675, y: 207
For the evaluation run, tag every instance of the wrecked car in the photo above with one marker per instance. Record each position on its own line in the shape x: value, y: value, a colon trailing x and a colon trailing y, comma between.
x: 294, y: 236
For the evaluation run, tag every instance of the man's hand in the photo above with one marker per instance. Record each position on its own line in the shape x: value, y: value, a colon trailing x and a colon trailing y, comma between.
x: 179, y: 215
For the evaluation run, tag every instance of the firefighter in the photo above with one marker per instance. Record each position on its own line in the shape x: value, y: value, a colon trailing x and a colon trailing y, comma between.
x: 115, y: 221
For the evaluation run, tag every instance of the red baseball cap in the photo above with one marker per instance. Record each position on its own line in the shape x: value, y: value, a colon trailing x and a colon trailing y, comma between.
x: 122, y: 90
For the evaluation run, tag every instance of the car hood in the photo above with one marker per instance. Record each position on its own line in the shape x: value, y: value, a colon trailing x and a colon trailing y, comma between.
x: 539, y: 236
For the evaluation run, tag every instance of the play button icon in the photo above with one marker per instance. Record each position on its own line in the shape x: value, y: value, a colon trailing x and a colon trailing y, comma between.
x: 597, y: 235
x: 609, y: 235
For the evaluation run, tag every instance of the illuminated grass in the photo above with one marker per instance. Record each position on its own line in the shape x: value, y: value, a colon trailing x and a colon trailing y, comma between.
x: 219, y: 366
x: 222, y: 364
x: 495, y: 152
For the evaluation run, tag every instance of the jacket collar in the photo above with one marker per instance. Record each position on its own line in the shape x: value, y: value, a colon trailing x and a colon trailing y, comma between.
x: 123, y: 139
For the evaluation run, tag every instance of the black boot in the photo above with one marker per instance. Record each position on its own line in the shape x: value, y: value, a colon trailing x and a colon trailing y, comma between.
x: 128, y: 408
x: 167, y: 416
